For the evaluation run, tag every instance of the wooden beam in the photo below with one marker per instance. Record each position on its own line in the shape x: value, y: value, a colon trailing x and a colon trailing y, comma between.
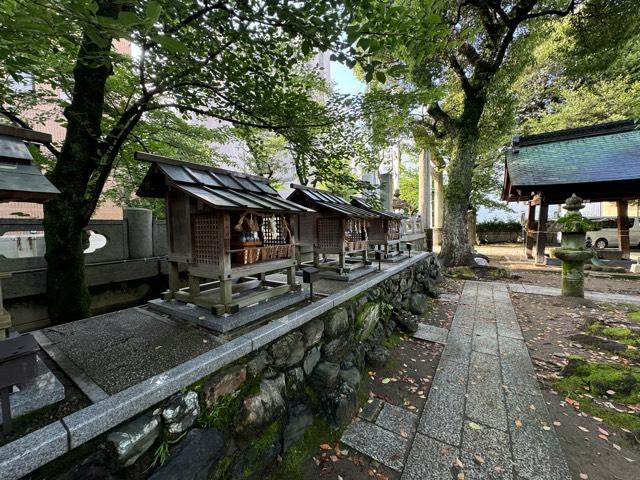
x: 624, y: 245
x: 25, y: 134
x: 531, y: 225
x: 541, y: 234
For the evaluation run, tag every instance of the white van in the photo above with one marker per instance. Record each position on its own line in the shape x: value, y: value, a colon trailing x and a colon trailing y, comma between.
x: 607, y: 236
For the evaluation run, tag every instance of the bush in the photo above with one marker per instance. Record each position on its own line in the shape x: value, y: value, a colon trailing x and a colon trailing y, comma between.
x: 496, y: 225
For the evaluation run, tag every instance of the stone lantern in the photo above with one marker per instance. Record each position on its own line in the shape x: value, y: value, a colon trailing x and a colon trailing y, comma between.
x: 572, y: 251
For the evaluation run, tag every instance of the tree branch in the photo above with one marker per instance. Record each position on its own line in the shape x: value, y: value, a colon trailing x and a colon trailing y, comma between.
x: 435, y: 111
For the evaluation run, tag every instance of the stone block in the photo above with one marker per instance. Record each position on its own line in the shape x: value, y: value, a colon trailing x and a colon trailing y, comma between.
x: 262, y: 408
x: 418, y: 303
x: 429, y: 459
x: 340, y: 405
x: 257, y: 364
x: 287, y: 351
x: 485, y: 395
x: 299, y: 419
x: 223, y: 384
x: 351, y: 376
x: 325, y: 375
x: 311, y: 360
x: 312, y: 332
x: 397, y: 420
x: 377, y: 357
x: 336, y: 349
x: 294, y: 379
x: 367, y: 317
x: 32, y: 451
x: 443, y: 413
x: 371, y: 409
x: 194, y: 457
x: 494, y: 446
x: 336, y: 322
x: 134, y: 438
x: 376, y: 442
x: 180, y: 412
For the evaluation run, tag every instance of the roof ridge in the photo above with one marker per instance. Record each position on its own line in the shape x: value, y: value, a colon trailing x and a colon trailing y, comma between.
x: 152, y: 158
x: 599, y: 129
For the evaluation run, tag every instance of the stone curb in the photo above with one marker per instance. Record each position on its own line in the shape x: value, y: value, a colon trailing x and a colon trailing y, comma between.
x: 38, y: 448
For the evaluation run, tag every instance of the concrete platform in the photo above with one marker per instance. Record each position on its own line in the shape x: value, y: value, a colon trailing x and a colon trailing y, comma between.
x: 111, y: 352
x: 349, y: 276
x: 228, y: 322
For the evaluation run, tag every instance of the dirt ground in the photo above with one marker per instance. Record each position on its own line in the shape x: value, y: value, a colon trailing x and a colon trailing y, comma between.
x: 511, y: 257
x: 592, y: 445
x: 405, y: 381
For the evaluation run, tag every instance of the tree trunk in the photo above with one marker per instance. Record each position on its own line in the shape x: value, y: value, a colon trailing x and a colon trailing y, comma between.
x: 456, y: 249
x: 66, y: 216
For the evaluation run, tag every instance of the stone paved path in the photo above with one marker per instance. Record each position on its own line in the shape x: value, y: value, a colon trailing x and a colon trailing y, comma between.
x: 595, y: 296
x: 484, y: 408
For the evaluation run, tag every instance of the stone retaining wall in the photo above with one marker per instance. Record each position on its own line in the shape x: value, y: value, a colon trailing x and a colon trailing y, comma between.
x: 233, y: 424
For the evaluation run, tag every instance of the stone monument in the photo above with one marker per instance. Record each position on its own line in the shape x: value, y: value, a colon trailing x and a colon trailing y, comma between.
x: 572, y: 251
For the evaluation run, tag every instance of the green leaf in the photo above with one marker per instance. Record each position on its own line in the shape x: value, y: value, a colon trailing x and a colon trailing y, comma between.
x: 152, y: 13
x: 381, y: 77
x: 171, y: 44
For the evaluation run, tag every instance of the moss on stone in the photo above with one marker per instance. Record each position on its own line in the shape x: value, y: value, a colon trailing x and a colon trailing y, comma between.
x: 464, y: 273
x: 634, y: 315
x: 225, y: 413
x: 292, y: 465
x: 222, y: 468
x: 621, y: 334
x: 257, y: 452
x: 595, y: 379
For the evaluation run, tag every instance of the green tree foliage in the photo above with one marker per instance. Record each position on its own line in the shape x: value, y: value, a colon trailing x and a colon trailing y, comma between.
x: 455, y: 59
x: 243, y: 63
x: 409, y: 186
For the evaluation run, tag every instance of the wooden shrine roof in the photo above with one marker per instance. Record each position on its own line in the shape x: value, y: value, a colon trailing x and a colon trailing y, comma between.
x: 321, y: 199
x: 360, y: 203
x: 218, y: 188
x: 20, y: 179
x: 598, y: 162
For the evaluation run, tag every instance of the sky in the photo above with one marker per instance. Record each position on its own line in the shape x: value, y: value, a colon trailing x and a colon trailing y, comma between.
x: 344, y: 80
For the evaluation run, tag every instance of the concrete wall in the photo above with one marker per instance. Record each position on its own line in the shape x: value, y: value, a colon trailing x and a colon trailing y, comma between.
x: 132, y: 257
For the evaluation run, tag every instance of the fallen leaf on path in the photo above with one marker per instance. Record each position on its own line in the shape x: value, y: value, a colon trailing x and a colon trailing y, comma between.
x: 583, y: 429
x: 325, y: 446
x: 478, y: 459
x: 474, y: 426
x: 518, y: 423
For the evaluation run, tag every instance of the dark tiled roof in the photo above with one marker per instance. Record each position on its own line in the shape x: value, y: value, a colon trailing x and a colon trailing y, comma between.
x: 216, y: 187
x: 600, y: 153
x: 20, y: 178
x: 359, y: 202
x: 328, y: 201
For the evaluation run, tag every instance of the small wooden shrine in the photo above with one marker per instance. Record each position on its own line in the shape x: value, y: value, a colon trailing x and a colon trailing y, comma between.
x: 336, y: 227
x: 21, y: 180
x: 230, y: 229
x: 384, y: 230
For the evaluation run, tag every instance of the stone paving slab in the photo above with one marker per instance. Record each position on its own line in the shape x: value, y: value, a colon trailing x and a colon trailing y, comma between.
x: 485, y: 396
x: 429, y: 459
x: 485, y: 401
x: 397, y: 420
x: 555, y: 292
x: 371, y: 409
x: 443, y: 413
x: 492, y: 446
x: 376, y: 442
x: 431, y: 333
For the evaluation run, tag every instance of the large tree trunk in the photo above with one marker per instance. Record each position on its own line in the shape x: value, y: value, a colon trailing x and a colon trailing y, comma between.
x: 68, y: 214
x: 456, y: 249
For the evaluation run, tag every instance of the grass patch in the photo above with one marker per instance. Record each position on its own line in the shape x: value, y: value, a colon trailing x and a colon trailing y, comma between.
x: 623, y: 335
x: 595, y: 379
x: 394, y: 339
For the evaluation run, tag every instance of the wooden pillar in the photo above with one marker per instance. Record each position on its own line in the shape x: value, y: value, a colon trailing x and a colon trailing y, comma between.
x: 531, y: 223
x: 174, y: 279
x: 623, y: 228
x: 541, y: 235
x: 194, y: 286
